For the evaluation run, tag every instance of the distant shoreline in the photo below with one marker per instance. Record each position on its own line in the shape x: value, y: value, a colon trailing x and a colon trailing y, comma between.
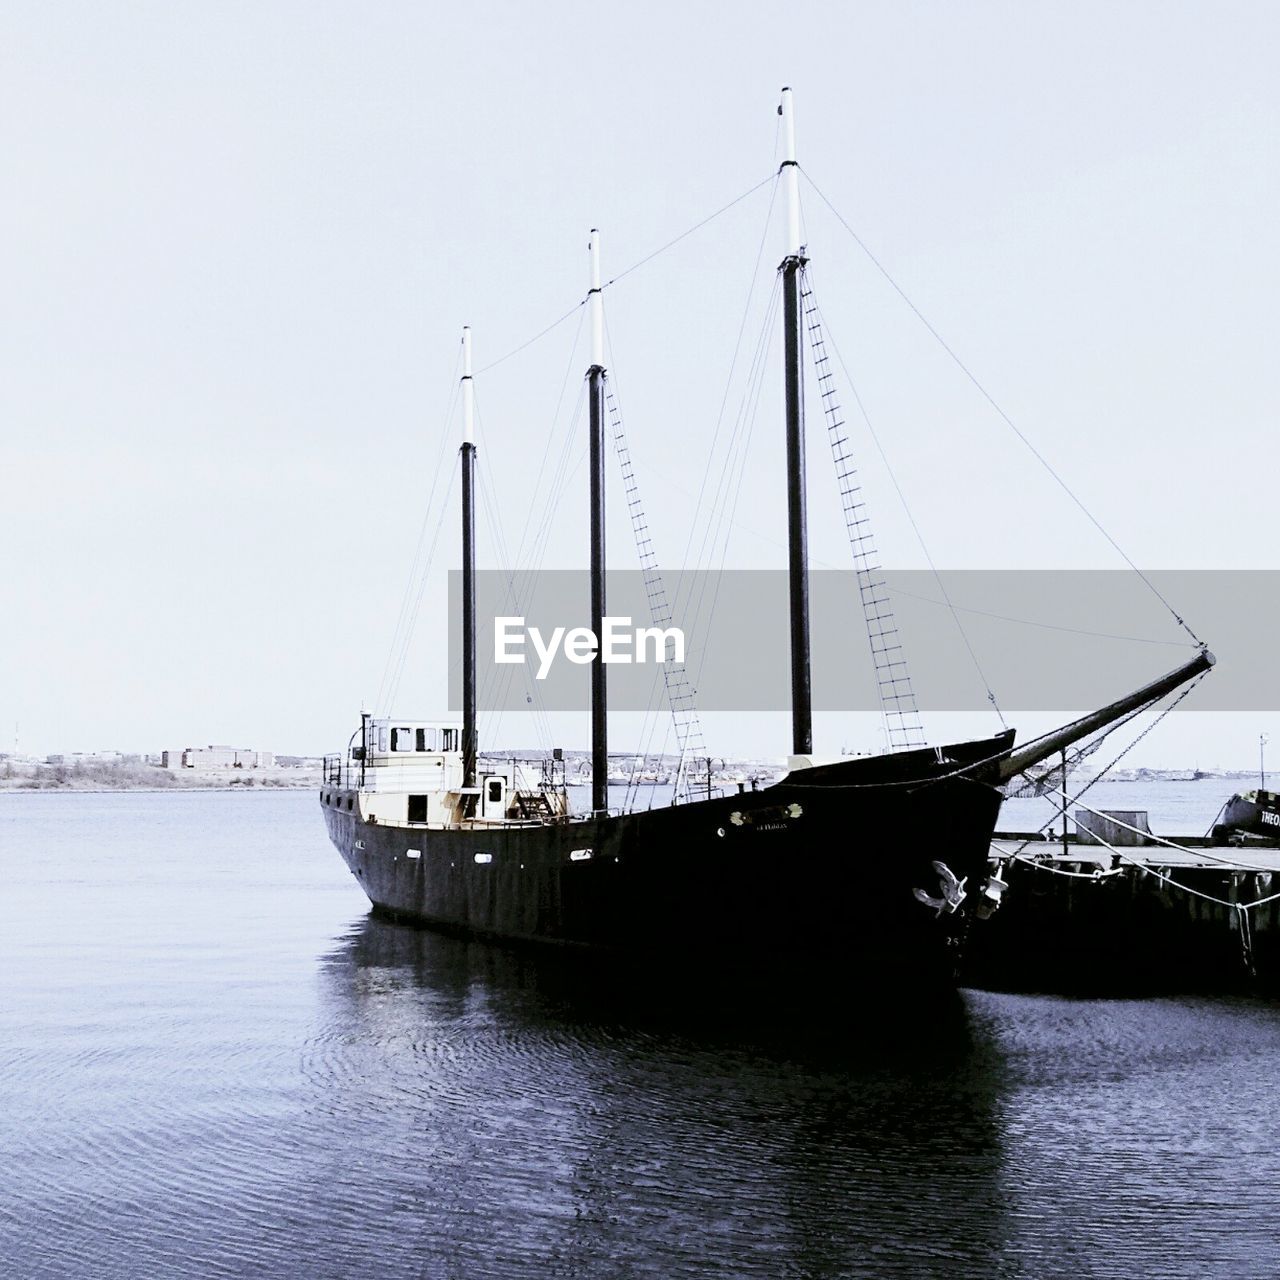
x: 151, y: 791
x: 99, y: 778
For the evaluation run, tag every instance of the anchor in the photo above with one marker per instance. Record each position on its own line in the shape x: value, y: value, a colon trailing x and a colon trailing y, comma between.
x: 953, y: 893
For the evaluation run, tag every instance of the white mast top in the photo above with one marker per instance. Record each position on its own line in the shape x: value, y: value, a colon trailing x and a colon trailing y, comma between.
x: 596, y: 302
x: 468, y: 390
x: 789, y: 171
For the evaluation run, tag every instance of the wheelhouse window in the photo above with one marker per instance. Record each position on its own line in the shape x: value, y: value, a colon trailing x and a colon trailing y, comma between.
x: 426, y: 740
x: 450, y: 739
x: 401, y: 739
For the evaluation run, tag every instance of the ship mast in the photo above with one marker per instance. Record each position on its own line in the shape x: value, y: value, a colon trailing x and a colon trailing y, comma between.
x: 595, y: 399
x: 797, y: 524
x: 468, y: 567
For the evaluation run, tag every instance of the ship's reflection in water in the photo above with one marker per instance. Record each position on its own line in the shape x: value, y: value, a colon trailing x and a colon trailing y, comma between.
x: 522, y: 1115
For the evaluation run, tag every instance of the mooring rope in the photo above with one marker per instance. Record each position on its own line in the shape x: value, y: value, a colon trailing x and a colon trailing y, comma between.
x: 1230, y: 864
x: 1099, y: 874
x: 1233, y: 863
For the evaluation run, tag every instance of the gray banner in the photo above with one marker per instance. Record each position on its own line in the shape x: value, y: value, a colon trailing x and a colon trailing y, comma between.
x: 1045, y: 641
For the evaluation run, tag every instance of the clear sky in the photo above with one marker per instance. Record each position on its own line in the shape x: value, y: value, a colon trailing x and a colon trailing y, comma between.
x: 239, y: 240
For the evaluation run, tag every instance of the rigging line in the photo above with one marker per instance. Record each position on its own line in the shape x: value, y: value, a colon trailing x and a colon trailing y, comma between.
x: 490, y: 676
x: 967, y: 771
x: 686, y: 604
x: 1058, y: 871
x: 697, y: 226
x: 815, y: 560
x: 1046, y: 626
x: 1149, y: 869
x: 1233, y: 863
x: 902, y: 498
x: 635, y: 266
x: 394, y: 687
x: 417, y: 578
x: 730, y: 510
x: 728, y: 386
x: 721, y: 518
x: 556, y: 491
x: 1100, y: 737
x: 660, y: 764
x: 422, y: 532
x: 899, y: 707
x: 559, y: 482
x: 532, y: 558
x: 567, y: 473
x: 1009, y: 422
x: 709, y: 514
x: 652, y: 721
x: 572, y: 437
x: 1218, y: 815
x: 514, y: 564
x: 1241, y: 907
x: 670, y: 481
x: 499, y: 684
x: 674, y: 676
x: 711, y: 531
x: 731, y: 487
x: 546, y: 448
x: 515, y: 351
x: 649, y: 723
x: 650, y: 718
x: 503, y: 681
x: 1137, y: 711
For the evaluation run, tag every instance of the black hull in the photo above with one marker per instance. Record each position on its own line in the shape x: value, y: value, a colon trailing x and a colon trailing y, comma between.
x: 817, y: 870
x: 1131, y: 934
x: 1255, y: 815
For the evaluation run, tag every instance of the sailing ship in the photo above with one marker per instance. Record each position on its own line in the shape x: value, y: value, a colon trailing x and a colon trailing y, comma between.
x: 870, y: 866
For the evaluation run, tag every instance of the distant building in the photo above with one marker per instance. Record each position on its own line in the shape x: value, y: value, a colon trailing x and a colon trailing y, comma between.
x: 86, y: 757
x: 216, y: 757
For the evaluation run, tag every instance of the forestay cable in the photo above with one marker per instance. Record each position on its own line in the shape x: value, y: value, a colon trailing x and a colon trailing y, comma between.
x: 1008, y: 421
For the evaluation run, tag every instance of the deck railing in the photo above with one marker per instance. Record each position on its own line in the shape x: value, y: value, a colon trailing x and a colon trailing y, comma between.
x: 410, y: 774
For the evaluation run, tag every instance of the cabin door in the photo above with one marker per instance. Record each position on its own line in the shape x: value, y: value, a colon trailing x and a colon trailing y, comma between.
x: 495, y: 797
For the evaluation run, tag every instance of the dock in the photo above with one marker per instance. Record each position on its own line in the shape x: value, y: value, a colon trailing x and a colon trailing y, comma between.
x: 1139, y: 919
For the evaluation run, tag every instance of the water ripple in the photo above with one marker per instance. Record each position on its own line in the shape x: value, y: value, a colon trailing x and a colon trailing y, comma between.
x: 214, y: 1063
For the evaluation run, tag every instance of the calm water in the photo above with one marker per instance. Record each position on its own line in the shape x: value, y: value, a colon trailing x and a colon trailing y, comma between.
x: 213, y: 1063
x: 1175, y: 808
